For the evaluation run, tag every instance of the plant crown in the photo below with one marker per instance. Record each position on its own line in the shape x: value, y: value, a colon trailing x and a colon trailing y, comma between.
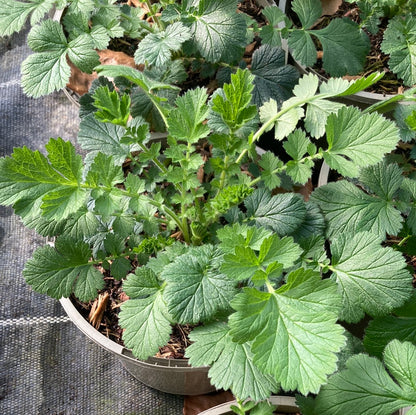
x: 267, y: 277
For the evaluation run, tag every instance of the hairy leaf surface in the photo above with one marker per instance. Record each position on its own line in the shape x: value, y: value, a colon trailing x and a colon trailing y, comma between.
x: 357, y: 140
x: 371, y: 279
x: 13, y: 14
x: 272, y: 78
x: 365, y: 386
x: 156, y: 48
x: 218, y: 31
x: 63, y: 270
x: 147, y: 324
x: 28, y: 177
x: 282, y: 213
x: 294, y: 331
x: 347, y: 208
x: 47, y: 69
x: 196, y: 289
x: 399, y: 41
x: 401, y: 325
x: 186, y: 121
x: 96, y: 136
x: 231, y: 363
x: 345, y: 47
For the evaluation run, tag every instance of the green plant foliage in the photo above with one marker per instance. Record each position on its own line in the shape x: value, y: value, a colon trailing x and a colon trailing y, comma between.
x: 344, y: 45
x: 273, y: 322
x: 202, y: 230
x: 48, y: 70
x: 197, y: 38
x: 366, y: 387
x: 147, y: 323
x: 273, y: 79
x: 13, y: 14
x: 65, y: 269
x: 204, y: 293
x: 400, y: 43
x: 400, y: 325
x: 366, y: 274
x: 156, y: 49
x: 217, y: 30
x: 378, y: 206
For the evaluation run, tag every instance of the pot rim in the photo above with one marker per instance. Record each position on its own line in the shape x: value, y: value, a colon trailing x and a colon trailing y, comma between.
x: 180, y: 365
x: 285, y: 403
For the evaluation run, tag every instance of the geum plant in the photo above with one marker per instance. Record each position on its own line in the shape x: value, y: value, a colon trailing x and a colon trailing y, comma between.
x: 397, y: 22
x: 203, y: 37
x: 200, y: 232
x: 345, y: 44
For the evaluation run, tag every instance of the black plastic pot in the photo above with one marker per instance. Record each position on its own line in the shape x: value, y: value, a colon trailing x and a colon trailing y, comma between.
x: 167, y: 375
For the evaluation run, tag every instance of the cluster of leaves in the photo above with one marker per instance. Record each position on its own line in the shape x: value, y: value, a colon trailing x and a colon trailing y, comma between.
x: 399, y: 38
x: 189, y: 36
x: 345, y: 45
x: 373, y: 12
x: 266, y: 276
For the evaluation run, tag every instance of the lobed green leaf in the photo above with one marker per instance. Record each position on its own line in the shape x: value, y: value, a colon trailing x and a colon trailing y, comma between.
x: 63, y: 270
x: 282, y: 213
x: 399, y: 41
x: 273, y: 78
x: 146, y: 323
x: 218, y: 32
x: 196, y: 290
x: 371, y: 279
x: 156, y: 48
x: 294, y: 331
x: 357, y: 140
x: 345, y: 47
x: 231, y: 363
x: 367, y: 388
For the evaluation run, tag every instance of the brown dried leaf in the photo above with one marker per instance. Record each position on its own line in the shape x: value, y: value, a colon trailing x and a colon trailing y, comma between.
x: 97, y: 310
x: 80, y: 82
x: 330, y: 7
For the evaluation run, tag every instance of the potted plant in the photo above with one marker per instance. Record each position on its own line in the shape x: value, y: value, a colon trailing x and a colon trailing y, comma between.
x: 199, y: 232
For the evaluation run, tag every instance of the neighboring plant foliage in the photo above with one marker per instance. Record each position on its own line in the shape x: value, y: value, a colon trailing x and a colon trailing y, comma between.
x: 399, y: 38
x: 345, y: 45
x: 196, y: 36
x: 266, y: 276
x: 367, y: 387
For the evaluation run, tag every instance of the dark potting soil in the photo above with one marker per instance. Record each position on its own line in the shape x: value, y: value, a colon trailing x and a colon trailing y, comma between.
x: 102, y: 313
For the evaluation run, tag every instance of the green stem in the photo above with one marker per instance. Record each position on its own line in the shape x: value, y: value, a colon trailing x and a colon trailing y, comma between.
x: 317, y: 156
x: 270, y: 287
x: 160, y: 110
x: 160, y: 165
x: 223, y: 173
x: 404, y: 240
x: 155, y: 18
x: 269, y: 123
